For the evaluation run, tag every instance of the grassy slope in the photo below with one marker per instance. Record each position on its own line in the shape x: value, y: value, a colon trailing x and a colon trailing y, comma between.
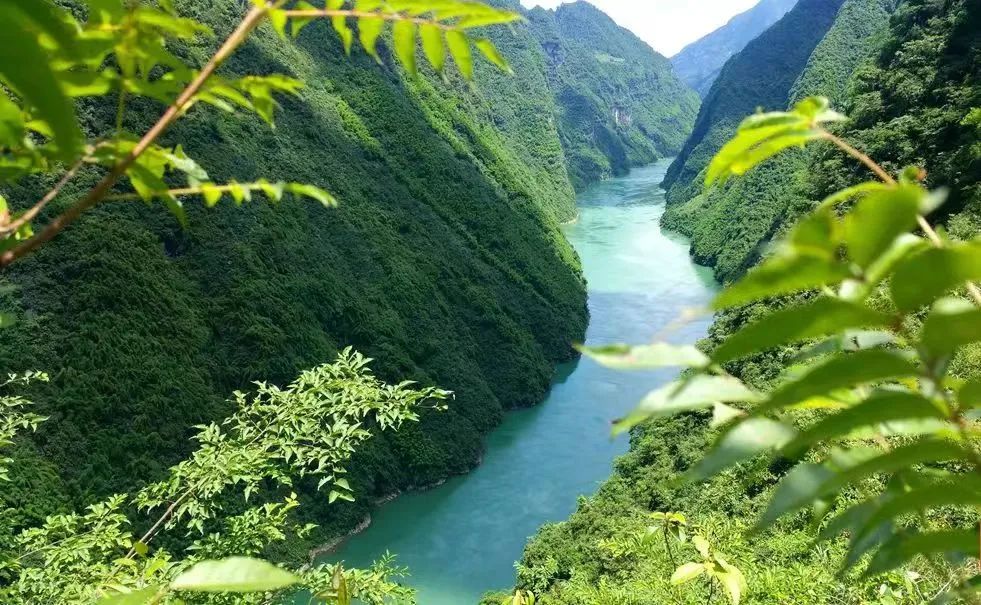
x: 444, y: 262
x: 620, y: 104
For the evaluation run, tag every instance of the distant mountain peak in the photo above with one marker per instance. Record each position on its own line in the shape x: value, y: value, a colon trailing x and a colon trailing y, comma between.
x: 699, y: 63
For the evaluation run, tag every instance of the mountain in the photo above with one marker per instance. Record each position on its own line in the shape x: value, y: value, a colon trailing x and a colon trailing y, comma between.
x: 761, y: 76
x: 730, y: 226
x: 907, y: 77
x: 700, y: 63
x: 619, y: 104
x: 444, y: 263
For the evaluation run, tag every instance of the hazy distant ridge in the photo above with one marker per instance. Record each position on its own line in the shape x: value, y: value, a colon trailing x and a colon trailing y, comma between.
x: 700, y: 63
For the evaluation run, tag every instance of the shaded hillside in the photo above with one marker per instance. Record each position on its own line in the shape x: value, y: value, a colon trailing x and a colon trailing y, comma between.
x: 701, y: 62
x: 762, y: 75
x: 730, y: 226
x: 444, y: 262
x: 619, y: 104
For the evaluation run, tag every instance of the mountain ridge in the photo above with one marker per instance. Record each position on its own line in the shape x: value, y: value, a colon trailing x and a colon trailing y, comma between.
x: 699, y: 63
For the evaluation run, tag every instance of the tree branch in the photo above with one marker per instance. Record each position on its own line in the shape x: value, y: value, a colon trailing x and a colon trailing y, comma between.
x: 252, y: 19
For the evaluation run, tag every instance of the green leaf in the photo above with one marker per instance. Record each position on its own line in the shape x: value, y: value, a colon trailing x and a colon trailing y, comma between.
x: 404, y: 37
x: 490, y: 52
x: 750, y: 136
x: 961, y: 491
x: 846, y: 370
x: 902, y: 548
x: 432, y: 45
x: 878, y: 219
x: 882, y: 407
x: 235, y: 574
x: 646, y: 357
x: 12, y: 127
x: 817, y: 110
x: 339, y: 23
x: 313, y: 192
x: 951, y: 324
x: 137, y: 597
x: 923, y: 451
x: 279, y: 21
x: 850, y: 193
x: 369, y: 30
x: 925, y: 277
x: 459, y: 46
x: 743, y: 441
x: 818, y: 318
x: 779, y: 275
x: 26, y: 68
x: 802, y: 486
x: 969, y: 395
x: 687, y: 573
x: 732, y: 580
x: 298, y: 23
x: 212, y: 194
x: 686, y: 395
x: 45, y: 16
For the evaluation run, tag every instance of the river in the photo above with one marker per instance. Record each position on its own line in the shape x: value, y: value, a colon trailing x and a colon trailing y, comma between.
x: 462, y: 539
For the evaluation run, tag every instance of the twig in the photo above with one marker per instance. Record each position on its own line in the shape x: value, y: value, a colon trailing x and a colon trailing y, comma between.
x: 252, y: 19
x: 36, y: 209
x: 880, y: 172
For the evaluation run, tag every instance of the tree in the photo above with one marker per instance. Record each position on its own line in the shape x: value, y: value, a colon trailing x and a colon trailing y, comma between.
x: 122, y: 51
x: 876, y: 422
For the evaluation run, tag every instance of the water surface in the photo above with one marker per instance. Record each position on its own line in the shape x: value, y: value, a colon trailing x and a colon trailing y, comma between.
x: 462, y: 539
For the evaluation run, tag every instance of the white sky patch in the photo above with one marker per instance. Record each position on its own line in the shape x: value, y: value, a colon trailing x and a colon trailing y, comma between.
x: 667, y: 25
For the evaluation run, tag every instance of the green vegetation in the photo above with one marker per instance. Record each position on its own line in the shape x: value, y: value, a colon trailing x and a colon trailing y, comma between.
x: 619, y: 103
x: 897, y: 520
x: 729, y: 234
x: 447, y: 225
x: 762, y: 75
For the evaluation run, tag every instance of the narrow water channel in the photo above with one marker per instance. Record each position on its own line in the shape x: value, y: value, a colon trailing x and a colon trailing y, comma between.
x: 462, y: 539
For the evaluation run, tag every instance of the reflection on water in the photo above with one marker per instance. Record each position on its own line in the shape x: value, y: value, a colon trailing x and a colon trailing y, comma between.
x: 462, y: 539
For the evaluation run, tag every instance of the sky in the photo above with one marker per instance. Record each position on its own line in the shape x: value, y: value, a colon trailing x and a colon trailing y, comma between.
x: 667, y: 25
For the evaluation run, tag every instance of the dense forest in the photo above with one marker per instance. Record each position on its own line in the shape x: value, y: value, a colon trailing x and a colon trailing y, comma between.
x: 201, y: 399
x: 907, y: 76
x: 444, y: 261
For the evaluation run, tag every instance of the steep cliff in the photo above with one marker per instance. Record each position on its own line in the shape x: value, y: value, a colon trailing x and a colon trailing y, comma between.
x: 619, y: 103
x: 444, y: 262
x: 730, y: 226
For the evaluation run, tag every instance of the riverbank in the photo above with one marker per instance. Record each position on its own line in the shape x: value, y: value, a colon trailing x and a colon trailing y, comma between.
x: 462, y: 539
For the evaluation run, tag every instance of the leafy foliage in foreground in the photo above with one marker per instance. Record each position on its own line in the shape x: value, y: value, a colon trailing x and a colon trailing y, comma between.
x: 310, y: 428
x: 447, y: 224
x: 879, y: 430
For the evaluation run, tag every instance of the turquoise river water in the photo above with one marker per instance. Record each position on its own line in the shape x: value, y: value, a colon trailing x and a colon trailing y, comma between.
x: 462, y: 539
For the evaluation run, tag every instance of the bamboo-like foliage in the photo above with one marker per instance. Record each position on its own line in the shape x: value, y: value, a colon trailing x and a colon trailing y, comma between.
x: 882, y: 304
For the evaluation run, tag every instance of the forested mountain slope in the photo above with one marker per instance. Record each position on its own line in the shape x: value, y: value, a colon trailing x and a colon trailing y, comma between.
x: 619, y: 103
x: 700, y: 63
x: 444, y: 262
x: 762, y: 75
x: 729, y: 226
x: 908, y: 100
